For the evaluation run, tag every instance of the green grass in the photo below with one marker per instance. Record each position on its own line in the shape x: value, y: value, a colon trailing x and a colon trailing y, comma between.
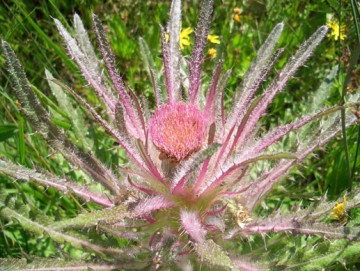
x: 31, y: 32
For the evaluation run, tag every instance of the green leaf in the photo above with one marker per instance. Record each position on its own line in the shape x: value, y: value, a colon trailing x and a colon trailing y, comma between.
x: 21, y: 146
x: 7, y: 131
x: 106, y: 216
x: 63, y: 124
x: 324, y: 254
x: 59, y: 237
x: 39, y: 264
x: 213, y: 255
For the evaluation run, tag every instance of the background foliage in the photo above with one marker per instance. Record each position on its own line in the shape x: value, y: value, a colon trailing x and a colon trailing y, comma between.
x: 29, y: 28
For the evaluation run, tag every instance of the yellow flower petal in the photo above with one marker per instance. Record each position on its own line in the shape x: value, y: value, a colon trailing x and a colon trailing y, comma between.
x: 337, y: 30
x: 339, y: 210
x: 212, y: 53
x: 184, y: 37
x: 236, y: 18
x: 213, y: 39
x: 186, y: 32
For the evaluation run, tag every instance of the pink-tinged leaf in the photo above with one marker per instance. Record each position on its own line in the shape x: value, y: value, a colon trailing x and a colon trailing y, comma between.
x: 168, y: 68
x: 144, y: 174
x: 210, y: 107
x: 263, y: 185
x: 287, y: 72
x: 51, y: 133
x: 244, y: 105
x: 124, y: 142
x: 39, y: 117
x: 150, y: 165
x: 197, y: 56
x: 109, y: 60
x: 227, y: 149
x: 281, y: 131
x: 220, y: 110
x: 190, y: 222
x: 256, y: 73
x: 295, y: 226
x: 200, y: 180
x: 182, y: 174
x: 82, y: 37
x: 149, y: 205
x: 88, y: 70
x: 217, y: 211
x: 142, y: 189
x: 173, y: 29
x: 139, y: 111
x: 46, y: 179
x: 238, y: 163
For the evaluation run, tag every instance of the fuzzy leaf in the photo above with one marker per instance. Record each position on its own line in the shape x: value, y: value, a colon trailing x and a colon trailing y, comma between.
x: 173, y: 69
x: 287, y: 72
x: 323, y: 255
x: 77, y: 118
x: 263, y: 185
x: 152, y: 204
x: 190, y: 222
x: 83, y: 40
x: 30, y: 104
x: 39, y: 264
x: 23, y: 173
x: 151, y: 69
x: 109, y: 59
x: 32, y: 226
x: 123, y: 141
x: 213, y: 255
x: 107, y: 216
x: 191, y: 164
x: 88, y: 69
x: 197, y: 56
x: 240, y: 162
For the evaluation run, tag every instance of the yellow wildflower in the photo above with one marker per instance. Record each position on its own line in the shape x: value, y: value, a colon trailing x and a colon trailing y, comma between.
x: 212, y: 53
x: 236, y: 18
x: 337, y: 30
x: 213, y: 39
x: 338, y: 212
x: 185, y: 37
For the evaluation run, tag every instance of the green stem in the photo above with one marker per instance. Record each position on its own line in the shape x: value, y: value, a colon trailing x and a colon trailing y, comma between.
x: 353, y: 61
x: 356, y: 15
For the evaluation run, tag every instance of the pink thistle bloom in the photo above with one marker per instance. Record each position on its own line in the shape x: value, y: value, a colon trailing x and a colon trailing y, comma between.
x: 178, y: 130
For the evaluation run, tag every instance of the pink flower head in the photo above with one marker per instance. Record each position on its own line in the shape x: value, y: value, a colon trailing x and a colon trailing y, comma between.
x: 178, y: 130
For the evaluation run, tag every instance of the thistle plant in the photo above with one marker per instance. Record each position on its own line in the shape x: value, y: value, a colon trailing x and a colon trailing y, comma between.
x: 196, y: 170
